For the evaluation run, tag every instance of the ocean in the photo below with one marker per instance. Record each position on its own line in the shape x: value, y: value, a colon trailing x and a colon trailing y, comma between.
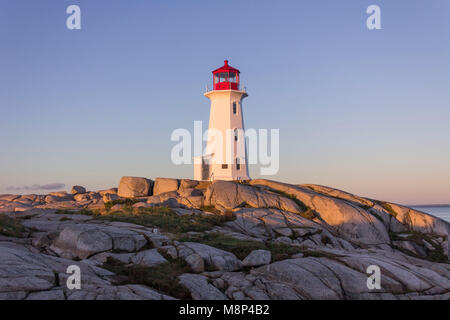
x: 442, y: 212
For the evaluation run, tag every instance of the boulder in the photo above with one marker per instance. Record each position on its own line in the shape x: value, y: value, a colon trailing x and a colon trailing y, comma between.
x: 257, y: 258
x: 109, y: 197
x: 216, y: 258
x: 131, y: 187
x: 186, y: 192
x: 60, y: 194
x: 163, y: 185
x: 81, y: 197
x: 195, y: 261
x: 230, y: 195
x: 81, y: 242
x: 192, y: 201
x: 111, y: 191
x: 188, y: 184
x: 78, y: 190
x: 200, y: 288
x: 148, y: 258
x: 154, y: 200
x: 58, y: 197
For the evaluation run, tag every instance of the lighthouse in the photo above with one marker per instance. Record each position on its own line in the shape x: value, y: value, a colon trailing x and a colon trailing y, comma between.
x: 225, y: 154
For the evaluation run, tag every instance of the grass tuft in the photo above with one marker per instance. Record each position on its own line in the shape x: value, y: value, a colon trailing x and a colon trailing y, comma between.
x: 163, y: 277
x: 10, y: 227
x: 386, y: 206
x: 127, y: 202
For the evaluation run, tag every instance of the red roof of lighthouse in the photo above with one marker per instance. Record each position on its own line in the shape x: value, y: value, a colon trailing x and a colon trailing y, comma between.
x: 226, y: 68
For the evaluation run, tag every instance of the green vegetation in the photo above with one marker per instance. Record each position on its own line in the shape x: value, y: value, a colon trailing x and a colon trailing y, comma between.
x: 161, y: 217
x: 165, y: 219
x: 163, y: 277
x: 83, y: 211
x: 242, y: 248
x: 386, y: 206
x: 435, y: 255
x: 126, y: 202
x: 10, y: 227
x: 210, y: 209
x: 319, y: 254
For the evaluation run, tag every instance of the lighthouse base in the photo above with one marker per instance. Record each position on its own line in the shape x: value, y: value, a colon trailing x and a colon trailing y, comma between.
x: 204, y: 170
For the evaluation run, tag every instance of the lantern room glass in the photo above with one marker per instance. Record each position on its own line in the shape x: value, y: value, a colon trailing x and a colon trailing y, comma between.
x: 226, y: 80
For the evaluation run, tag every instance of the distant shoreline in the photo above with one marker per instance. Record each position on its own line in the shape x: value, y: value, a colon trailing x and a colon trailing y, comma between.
x: 429, y: 205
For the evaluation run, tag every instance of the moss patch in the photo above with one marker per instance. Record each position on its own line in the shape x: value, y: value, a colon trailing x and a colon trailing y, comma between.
x: 386, y: 206
x: 126, y: 202
x: 163, y: 277
x: 10, y: 227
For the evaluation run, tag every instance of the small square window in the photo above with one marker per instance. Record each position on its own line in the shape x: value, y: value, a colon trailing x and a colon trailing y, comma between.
x: 224, y: 166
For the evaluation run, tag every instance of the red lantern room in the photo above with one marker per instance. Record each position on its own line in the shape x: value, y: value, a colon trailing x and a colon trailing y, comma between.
x: 226, y: 78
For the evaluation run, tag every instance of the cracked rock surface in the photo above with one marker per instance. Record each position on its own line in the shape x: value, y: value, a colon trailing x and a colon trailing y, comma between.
x: 282, y: 241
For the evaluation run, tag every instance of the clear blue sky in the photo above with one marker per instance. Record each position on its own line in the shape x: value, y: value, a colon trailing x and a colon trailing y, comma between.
x: 364, y: 111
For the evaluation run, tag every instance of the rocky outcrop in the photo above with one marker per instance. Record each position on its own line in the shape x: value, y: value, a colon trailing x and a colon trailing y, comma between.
x: 286, y: 253
x: 212, y: 257
x: 84, y: 240
x: 78, y: 190
x: 257, y: 258
x: 109, y: 197
x: 130, y: 187
x: 230, y: 195
x: 199, y: 287
x: 348, y: 220
x: 29, y: 274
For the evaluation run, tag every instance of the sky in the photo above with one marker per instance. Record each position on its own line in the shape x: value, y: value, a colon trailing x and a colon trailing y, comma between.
x: 366, y: 111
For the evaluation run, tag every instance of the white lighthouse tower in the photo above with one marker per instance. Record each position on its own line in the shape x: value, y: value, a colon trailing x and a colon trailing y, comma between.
x: 225, y: 155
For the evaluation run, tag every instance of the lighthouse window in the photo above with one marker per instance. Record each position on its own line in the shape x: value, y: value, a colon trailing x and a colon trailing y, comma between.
x: 224, y: 166
x: 223, y: 77
x: 236, y: 132
x: 232, y: 77
x: 234, y: 108
x: 238, y: 165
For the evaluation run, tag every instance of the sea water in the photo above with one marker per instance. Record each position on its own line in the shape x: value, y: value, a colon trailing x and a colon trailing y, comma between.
x: 442, y: 212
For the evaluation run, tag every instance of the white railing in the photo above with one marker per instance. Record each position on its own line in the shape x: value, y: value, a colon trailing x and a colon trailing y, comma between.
x: 244, y: 88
